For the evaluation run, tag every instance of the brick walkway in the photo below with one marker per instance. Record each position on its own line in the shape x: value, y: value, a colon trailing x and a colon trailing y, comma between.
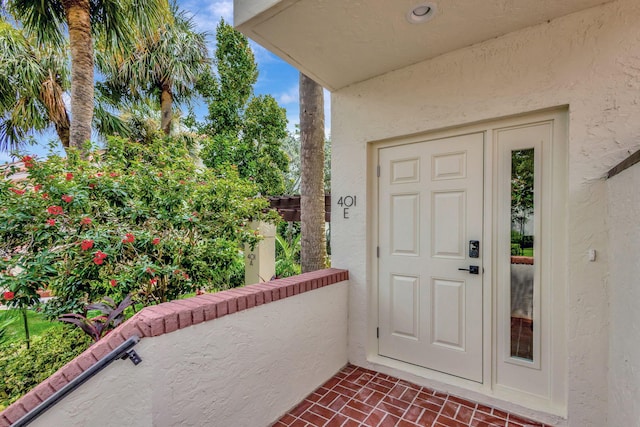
x: 359, y: 397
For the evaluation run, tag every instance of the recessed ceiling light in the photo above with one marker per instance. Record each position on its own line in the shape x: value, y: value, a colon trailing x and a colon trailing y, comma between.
x: 421, y: 13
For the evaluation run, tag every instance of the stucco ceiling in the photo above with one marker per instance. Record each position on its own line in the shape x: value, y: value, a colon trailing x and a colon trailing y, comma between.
x: 341, y: 42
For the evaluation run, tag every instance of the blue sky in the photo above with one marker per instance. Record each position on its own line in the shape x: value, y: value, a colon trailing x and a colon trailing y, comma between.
x: 276, y: 77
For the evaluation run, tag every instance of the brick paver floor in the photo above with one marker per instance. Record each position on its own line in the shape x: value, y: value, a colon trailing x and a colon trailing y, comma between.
x: 359, y: 397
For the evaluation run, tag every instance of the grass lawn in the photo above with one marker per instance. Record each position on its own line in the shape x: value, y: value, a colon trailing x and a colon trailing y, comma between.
x: 37, y: 324
x: 527, y: 252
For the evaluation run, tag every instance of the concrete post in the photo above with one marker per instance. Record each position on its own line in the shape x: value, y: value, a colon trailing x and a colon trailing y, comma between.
x: 260, y: 263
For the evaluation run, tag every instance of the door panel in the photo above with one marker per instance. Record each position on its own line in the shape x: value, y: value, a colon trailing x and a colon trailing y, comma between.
x: 430, y: 204
x: 405, y: 232
x: 448, y: 313
x: 448, y: 224
x: 404, y: 306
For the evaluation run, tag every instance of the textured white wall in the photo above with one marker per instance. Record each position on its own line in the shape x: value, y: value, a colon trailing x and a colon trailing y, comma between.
x: 243, y: 369
x: 589, y: 61
x: 624, y: 348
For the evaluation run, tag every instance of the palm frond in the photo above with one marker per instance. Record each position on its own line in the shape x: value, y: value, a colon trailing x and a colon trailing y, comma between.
x: 45, y: 20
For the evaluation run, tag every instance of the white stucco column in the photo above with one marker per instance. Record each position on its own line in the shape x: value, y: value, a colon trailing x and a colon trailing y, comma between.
x: 260, y: 263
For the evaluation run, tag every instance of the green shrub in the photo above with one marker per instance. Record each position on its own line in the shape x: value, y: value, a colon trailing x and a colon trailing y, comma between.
x: 515, y: 237
x: 22, y: 369
x: 139, y: 219
x: 516, y: 249
x: 287, y: 256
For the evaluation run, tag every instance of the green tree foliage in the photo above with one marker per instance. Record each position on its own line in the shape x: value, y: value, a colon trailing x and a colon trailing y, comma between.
x: 163, y: 65
x: 137, y: 219
x: 291, y: 146
x: 51, y: 22
x: 32, y: 81
x: 229, y: 91
x: 522, y: 186
x: 245, y: 130
x: 24, y: 368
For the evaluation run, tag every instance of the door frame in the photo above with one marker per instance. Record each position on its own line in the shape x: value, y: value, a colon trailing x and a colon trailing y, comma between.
x: 449, y: 383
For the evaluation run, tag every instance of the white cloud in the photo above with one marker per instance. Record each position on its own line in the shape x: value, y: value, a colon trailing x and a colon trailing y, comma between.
x: 327, y: 113
x: 222, y: 8
x: 207, y: 16
x: 262, y: 55
x: 291, y: 96
x: 293, y: 117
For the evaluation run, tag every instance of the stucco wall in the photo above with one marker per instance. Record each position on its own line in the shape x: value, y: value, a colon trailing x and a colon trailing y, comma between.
x: 589, y: 61
x: 243, y: 369
x: 624, y: 347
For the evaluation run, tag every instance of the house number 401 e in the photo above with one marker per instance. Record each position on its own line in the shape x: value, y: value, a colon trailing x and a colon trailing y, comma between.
x: 346, y: 202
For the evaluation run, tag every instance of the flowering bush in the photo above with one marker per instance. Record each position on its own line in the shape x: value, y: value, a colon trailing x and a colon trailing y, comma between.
x: 130, y: 219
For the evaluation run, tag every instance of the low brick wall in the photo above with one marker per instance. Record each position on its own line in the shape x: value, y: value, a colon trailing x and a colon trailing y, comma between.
x: 172, y: 316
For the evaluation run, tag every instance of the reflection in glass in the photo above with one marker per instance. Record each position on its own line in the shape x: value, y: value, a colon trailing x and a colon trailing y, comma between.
x: 522, y: 243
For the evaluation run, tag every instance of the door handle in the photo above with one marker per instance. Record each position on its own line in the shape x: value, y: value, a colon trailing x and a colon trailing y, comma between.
x: 473, y: 269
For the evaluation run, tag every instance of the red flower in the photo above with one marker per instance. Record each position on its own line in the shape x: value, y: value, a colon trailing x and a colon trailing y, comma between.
x: 153, y: 281
x: 67, y: 198
x: 68, y: 176
x: 55, y: 210
x: 17, y: 191
x: 85, y: 221
x: 99, y: 174
x: 86, y: 245
x: 28, y: 161
x: 150, y: 270
x: 37, y: 188
x: 156, y: 241
x: 113, y: 282
x: 99, y: 258
x: 182, y: 181
x: 113, y: 175
x: 159, y: 173
x: 128, y: 238
x: 51, y: 222
x: 45, y: 195
x: 92, y: 186
x: 8, y: 296
x: 186, y: 276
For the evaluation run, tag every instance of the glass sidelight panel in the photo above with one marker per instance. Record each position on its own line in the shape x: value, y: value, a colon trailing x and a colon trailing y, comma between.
x: 522, y: 253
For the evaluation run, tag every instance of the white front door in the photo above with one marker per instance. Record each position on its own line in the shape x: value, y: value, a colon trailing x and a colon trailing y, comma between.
x: 430, y: 206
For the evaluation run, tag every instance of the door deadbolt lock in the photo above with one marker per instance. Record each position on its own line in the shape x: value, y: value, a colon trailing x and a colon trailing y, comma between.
x: 473, y: 269
x: 474, y: 249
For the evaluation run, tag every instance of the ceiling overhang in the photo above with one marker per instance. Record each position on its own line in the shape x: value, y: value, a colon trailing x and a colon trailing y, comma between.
x: 342, y: 42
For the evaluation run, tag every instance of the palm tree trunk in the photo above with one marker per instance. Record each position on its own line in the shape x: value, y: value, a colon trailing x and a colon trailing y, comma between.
x: 313, y: 249
x: 81, y: 46
x: 63, y: 130
x: 166, y: 113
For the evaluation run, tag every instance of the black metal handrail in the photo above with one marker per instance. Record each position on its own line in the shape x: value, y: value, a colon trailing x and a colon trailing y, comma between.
x: 123, y: 351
